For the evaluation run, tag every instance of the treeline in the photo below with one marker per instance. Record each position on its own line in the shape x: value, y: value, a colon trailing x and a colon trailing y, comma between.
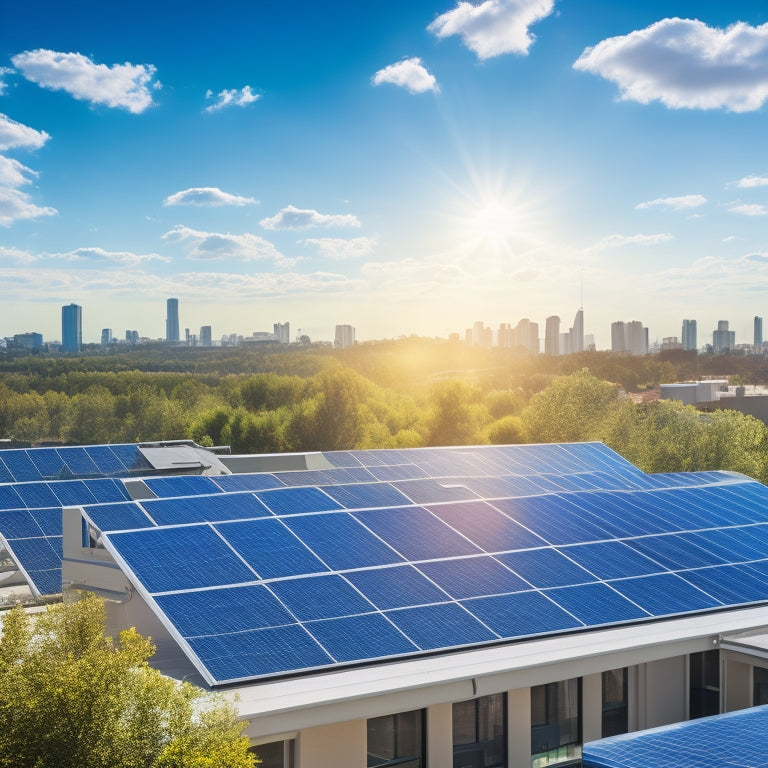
x: 374, y: 399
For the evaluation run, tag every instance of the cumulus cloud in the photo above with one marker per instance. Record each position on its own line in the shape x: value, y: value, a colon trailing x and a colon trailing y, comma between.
x: 13, y: 173
x: 752, y: 181
x: 338, y: 248
x: 299, y: 218
x: 101, y: 256
x: 410, y: 74
x: 121, y: 85
x: 207, y: 197
x: 749, y: 209
x: 683, y: 63
x: 3, y: 85
x: 16, y: 255
x: 216, y: 246
x: 231, y: 98
x: 16, y: 205
x: 617, y: 241
x: 495, y: 26
x: 17, y: 135
x: 685, y: 202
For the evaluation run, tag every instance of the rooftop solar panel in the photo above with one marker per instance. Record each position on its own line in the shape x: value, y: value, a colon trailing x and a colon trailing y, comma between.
x: 72, y: 492
x: 196, y: 509
x: 36, y: 495
x: 446, y: 625
x: 18, y: 524
x: 9, y: 499
x: 254, y: 482
x: 21, y: 466
x: 78, y: 462
x: 664, y: 594
x: 288, y: 501
x: 48, y: 462
x: 5, y: 474
x: 119, y: 516
x: 366, y: 495
x: 107, y: 490
x: 105, y: 459
x: 398, y: 586
x: 473, y: 577
x: 181, y: 485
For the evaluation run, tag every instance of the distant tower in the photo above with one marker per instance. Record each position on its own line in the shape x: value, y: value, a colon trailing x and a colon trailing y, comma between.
x: 71, y: 328
x: 206, y: 336
x: 689, y: 335
x: 723, y: 340
x: 552, y: 336
x: 282, y: 332
x: 172, y: 320
x: 758, y: 342
x: 577, y: 333
x: 106, y: 336
x: 345, y: 336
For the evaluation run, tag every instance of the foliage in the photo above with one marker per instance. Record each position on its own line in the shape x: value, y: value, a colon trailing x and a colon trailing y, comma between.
x: 72, y: 698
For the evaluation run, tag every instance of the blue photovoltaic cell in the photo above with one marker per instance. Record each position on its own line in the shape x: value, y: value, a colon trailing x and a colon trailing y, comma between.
x: 415, y: 533
x: 47, y: 461
x: 120, y: 516
x: 546, y: 568
x: 674, y: 552
x: 254, y: 482
x: 130, y: 457
x: 431, y: 491
x: 396, y: 587
x: 261, y: 652
x: 314, y: 477
x: 21, y: 466
x: 487, y: 527
x: 49, y: 520
x: 5, y: 475
x: 36, y: 554
x: 398, y: 472
x: 288, y: 501
x: 595, y: 604
x: 731, y: 584
x: 79, y: 463
x: 664, y: 594
x: 36, y: 495
x: 473, y: 577
x: 18, y: 524
x: 342, y: 458
x: 107, y: 490
x: 183, y: 485
x: 171, y: 559
x: 224, y: 610
x: 341, y: 541
x: 366, y: 495
x: 105, y: 459
x: 735, y: 740
x: 320, y: 597
x: 611, y: 560
x: 270, y: 548
x: 47, y: 582
x: 199, y: 509
x: 356, y: 638
x: 9, y: 499
x: 521, y: 614
x: 70, y: 493
x: 440, y: 626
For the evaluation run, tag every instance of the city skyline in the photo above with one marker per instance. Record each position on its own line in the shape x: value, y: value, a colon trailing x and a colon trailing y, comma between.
x: 410, y: 166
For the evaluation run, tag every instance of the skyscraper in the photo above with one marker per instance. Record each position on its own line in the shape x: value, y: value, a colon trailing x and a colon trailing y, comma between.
x: 723, y: 340
x: 345, y: 336
x: 689, y: 334
x: 577, y: 333
x: 172, y: 320
x: 206, y: 336
x: 552, y: 336
x: 758, y: 341
x: 71, y: 328
x: 282, y: 332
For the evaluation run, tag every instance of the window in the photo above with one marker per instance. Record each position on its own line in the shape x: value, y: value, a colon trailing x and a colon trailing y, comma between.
x: 759, y: 686
x: 556, y: 723
x: 276, y: 754
x: 705, y: 684
x: 480, y: 732
x: 397, y: 740
x: 615, y: 704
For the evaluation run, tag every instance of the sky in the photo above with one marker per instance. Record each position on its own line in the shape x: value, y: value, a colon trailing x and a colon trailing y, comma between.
x: 408, y: 166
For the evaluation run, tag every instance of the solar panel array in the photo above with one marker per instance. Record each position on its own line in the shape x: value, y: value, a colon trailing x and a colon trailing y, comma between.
x: 736, y: 740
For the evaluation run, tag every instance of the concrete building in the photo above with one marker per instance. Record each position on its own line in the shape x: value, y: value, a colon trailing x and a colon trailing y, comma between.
x: 630, y: 338
x: 71, y: 328
x: 552, y: 336
x: 758, y: 332
x: 723, y: 340
x: 282, y: 332
x: 689, y: 335
x: 576, y: 334
x: 206, y: 336
x: 344, y: 337
x: 172, y: 320
x: 106, y: 337
x: 31, y: 341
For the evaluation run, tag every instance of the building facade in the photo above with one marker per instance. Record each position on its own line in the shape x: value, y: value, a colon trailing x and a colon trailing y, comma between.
x: 172, y: 320
x: 71, y: 328
x: 689, y: 335
x: 344, y: 336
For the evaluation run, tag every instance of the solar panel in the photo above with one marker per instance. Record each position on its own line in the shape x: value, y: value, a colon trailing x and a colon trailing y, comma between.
x: 5, y: 474
x: 664, y: 594
x: 473, y: 577
x: 181, y: 485
x: 107, y: 490
x: 255, y: 482
x: 47, y: 461
x: 21, y: 466
x: 104, y: 458
x: 446, y: 625
x: 120, y: 516
x: 195, y: 509
x: 596, y: 604
x: 72, y: 492
x: 78, y: 462
x: 366, y: 495
x: 288, y: 501
x: 36, y: 495
x: 396, y: 587
x: 18, y: 524
x: 320, y: 597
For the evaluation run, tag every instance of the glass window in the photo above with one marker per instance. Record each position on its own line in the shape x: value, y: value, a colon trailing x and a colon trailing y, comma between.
x: 480, y: 732
x: 759, y: 686
x: 276, y: 754
x: 556, y: 723
x: 615, y: 702
x: 397, y: 740
x: 705, y: 684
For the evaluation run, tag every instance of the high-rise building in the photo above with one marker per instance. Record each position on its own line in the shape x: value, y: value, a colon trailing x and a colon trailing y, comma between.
x: 552, y: 336
x: 282, y: 332
x: 629, y: 337
x: 526, y: 335
x: 28, y: 340
x: 758, y: 341
x: 71, y: 328
x: 576, y: 334
x: 106, y: 336
x: 345, y: 336
x: 723, y: 340
x: 689, y: 335
x: 172, y: 320
x: 206, y: 336
x: 132, y: 337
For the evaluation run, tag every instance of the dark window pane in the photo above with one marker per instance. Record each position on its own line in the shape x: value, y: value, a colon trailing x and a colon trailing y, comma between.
x: 760, y: 686
x: 396, y: 740
x: 556, y: 721
x: 705, y: 684
x: 615, y: 703
x: 479, y: 732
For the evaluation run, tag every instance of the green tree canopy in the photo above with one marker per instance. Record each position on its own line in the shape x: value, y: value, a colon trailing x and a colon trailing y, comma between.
x: 70, y: 697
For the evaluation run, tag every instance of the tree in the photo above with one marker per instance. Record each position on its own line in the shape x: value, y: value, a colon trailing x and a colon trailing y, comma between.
x: 70, y: 697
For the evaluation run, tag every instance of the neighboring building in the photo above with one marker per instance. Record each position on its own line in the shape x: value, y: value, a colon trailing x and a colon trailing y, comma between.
x: 526, y: 335
x: 132, y: 337
x: 283, y: 332
x: 723, y: 340
x: 106, y: 337
x: 758, y: 334
x: 575, y: 336
x: 172, y: 320
x: 552, y: 336
x: 32, y: 341
x: 71, y: 328
x: 206, y: 337
x: 670, y: 344
x: 345, y: 336
x: 689, y: 335
x: 630, y: 338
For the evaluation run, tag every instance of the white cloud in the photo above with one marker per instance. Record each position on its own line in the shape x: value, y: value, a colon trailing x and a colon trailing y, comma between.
x: 16, y: 205
x: 215, y: 246
x: 13, y: 173
x: 121, y: 85
x: 231, y: 98
x: 752, y: 181
x: 682, y: 203
x: 338, y: 248
x: 16, y: 255
x: 749, y: 209
x: 683, y: 63
x: 13, y: 134
x: 3, y: 84
x: 617, y: 241
x: 493, y: 27
x: 101, y: 256
x: 299, y: 218
x: 730, y: 238
x: 207, y: 197
x: 408, y: 73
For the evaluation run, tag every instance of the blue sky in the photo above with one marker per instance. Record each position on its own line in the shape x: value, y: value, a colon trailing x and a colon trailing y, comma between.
x: 403, y: 166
